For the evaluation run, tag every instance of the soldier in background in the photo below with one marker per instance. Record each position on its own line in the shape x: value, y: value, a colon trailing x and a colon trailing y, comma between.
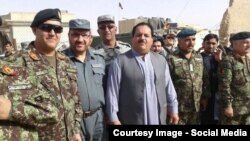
x: 234, y: 81
x: 40, y: 98
x: 169, y: 42
x: 8, y: 49
x: 186, y: 69
x: 109, y: 48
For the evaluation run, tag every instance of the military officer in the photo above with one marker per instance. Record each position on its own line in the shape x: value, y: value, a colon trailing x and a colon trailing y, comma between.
x: 234, y: 81
x: 40, y: 97
x: 186, y: 68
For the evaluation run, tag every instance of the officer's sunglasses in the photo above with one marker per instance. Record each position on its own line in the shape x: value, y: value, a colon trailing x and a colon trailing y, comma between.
x: 103, y: 27
x: 49, y: 27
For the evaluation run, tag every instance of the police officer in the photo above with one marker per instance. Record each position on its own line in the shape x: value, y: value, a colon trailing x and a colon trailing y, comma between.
x: 186, y: 68
x: 40, y: 100
x: 109, y: 48
x: 234, y: 81
x: 90, y: 72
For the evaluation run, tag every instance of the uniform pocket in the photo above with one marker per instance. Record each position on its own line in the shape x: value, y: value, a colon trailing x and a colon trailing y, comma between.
x: 98, y: 73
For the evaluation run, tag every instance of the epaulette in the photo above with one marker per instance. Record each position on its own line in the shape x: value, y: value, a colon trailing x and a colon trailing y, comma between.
x: 60, y: 55
x: 97, y: 47
x: 100, y: 52
x: 33, y: 55
x: 123, y: 43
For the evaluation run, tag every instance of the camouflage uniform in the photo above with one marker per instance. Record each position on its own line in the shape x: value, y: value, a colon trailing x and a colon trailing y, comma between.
x: 234, y: 86
x: 109, y: 54
x: 45, y: 103
x: 188, y: 76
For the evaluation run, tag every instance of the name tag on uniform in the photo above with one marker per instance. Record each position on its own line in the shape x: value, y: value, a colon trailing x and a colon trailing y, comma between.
x: 191, y: 67
x: 97, y: 65
x: 20, y: 87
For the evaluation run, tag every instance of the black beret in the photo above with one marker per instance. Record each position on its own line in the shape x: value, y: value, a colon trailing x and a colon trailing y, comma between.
x: 46, y: 14
x: 186, y: 32
x: 240, y: 36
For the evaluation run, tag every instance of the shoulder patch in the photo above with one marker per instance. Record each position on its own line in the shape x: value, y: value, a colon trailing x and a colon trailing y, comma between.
x: 6, y: 69
x: 61, y: 56
x: 33, y: 55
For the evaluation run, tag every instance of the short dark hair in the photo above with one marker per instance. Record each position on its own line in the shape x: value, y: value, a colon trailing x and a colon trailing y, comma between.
x: 143, y: 24
x: 8, y: 42
x: 158, y: 38
x: 211, y: 36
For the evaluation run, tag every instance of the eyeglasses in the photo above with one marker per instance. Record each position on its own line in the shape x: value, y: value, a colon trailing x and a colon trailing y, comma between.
x: 76, y: 35
x: 49, y: 27
x: 103, y: 27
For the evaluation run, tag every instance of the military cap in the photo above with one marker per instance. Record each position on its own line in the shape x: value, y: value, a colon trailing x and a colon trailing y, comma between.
x: 186, y: 32
x: 169, y: 34
x: 46, y: 14
x: 79, y: 24
x: 240, y: 36
x: 105, y: 18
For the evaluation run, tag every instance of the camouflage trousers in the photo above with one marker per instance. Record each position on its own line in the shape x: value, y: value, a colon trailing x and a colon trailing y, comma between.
x: 236, y: 120
x: 189, y: 118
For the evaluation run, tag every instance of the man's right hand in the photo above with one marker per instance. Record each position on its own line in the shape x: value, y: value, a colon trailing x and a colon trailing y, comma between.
x: 229, y: 112
x: 5, y: 105
x: 174, y: 119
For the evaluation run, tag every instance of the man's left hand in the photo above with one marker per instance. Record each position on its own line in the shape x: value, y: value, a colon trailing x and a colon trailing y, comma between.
x: 77, y: 137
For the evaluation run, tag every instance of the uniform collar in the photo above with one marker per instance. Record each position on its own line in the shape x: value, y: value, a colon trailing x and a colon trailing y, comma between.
x: 89, y: 53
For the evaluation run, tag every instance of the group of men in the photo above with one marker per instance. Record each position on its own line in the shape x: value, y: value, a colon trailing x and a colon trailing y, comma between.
x: 72, y: 95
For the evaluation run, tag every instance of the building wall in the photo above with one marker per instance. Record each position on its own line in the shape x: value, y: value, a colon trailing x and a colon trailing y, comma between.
x: 17, y: 26
x: 235, y: 19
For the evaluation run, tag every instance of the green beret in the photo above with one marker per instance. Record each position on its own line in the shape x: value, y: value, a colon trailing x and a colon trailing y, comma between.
x: 240, y: 36
x: 186, y: 32
x: 44, y: 15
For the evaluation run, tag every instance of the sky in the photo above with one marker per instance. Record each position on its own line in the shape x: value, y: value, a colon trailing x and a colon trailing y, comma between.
x: 206, y: 13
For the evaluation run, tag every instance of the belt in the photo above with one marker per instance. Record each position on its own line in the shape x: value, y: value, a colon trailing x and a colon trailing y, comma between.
x: 90, y: 113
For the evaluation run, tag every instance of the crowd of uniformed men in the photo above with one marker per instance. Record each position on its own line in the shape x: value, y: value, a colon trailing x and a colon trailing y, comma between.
x: 48, y: 95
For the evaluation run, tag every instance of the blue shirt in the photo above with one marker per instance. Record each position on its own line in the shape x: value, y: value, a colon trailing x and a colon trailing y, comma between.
x: 89, y: 79
x: 150, y: 97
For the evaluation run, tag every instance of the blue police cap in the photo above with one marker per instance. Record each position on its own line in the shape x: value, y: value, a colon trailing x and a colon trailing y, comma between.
x: 44, y: 15
x: 185, y: 33
x: 79, y: 24
x: 240, y: 36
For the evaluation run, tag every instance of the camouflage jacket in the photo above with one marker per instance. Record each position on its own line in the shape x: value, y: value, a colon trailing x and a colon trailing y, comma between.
x: 45, y: 102
x: 110, y: 53
x: 234, y: 83
x: 189, y: 79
